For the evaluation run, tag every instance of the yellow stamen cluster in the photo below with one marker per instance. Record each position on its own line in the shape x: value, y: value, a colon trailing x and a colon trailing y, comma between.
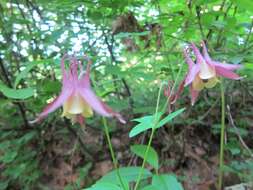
x: 76, y: 105
x: 205, y: 78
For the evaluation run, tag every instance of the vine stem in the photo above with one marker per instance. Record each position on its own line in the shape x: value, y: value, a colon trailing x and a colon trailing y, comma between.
x: 150, y: 139
x: 221, y: 162
x: 114, y: 160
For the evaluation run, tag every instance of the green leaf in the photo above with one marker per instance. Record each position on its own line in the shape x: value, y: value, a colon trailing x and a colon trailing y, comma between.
x: 83, y: 173
x: 129, y: 174
x: 169, y: 117
x: 147, y: 122
x: 16, y: 171
x: 9, y: 156
x: 149, y: 187
x: 24, y: 73
x: 4, y: 184
x: 249, y: 66
x: 245, y: 4
x: 219, y: 24
x: 27, y: 137
x: 152, y: 156
x: 166, y: 182
x: 114, y: 70
x: 95, y: 14
x: 50, y: 86
x: 16, y: 93
x: 104, y: 186
x: 4, y: 145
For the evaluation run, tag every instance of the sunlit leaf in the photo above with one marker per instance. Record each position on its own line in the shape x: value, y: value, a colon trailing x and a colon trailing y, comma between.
x: 152, y: 156
x: 104, y: 186
x: 16, y: 93
x: 166, y: 182
x: 245, y: 4
x: 147, y: 122
x: 129, y: 174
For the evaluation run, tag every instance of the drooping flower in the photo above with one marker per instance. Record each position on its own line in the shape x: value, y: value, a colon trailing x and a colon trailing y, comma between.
x: 76, y: 97
x: 205, y: 72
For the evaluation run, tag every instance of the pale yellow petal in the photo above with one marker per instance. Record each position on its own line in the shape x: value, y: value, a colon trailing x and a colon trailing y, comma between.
x: 87, y: 111
x: 206, y: 71
x: 211, y: 82
x: 197, y: 84
x: 76, y: 105
x: 65, y: 108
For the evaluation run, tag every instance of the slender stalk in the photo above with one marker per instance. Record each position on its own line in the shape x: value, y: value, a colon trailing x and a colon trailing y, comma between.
x: 248, y: 36
x: 156, y: 121
x: 198, y: 9
x: 114, y: 160
x: 150, y: 139
x: 222, y: 136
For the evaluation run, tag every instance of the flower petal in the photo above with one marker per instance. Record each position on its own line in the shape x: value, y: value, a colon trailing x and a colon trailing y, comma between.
x: 59, y: 101
x: 197, y: 53
x: 97, y: 105
x: 74, y: 68
x: 211, y: 82
x: 189, y: 61
x: 227, y: 73
x: 114, y: 114
x: 206, y: 71
x: 63, y: 70
x: 193, y: 69
x: 227, y: 66
x: 216, y: 63
x: 191, y: 75
x: 85, y: 79
x: 167, y: 89
x: 75, y: 104
x: 198, y: 84
x: 178, y: 93
x: 89, y: 96
x: 205, y: 52
x: 80, y: 119
x: 194, y: 95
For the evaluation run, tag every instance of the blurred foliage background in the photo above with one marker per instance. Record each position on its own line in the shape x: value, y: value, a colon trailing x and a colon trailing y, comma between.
x: 134, y: 46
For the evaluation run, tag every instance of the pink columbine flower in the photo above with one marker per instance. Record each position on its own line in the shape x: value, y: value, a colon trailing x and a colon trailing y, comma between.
x: 76, y: 97
x: 205, y: 72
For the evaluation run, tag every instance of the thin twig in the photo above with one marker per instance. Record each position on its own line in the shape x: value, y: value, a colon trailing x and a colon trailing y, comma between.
x: 248, y: 36
x: 86, y: 151
x: 209, y: 34
x: 113, y: 60
x: 237, y: 132
x: 199, y: 22
x: 219, y: 38
x: 206, y: 113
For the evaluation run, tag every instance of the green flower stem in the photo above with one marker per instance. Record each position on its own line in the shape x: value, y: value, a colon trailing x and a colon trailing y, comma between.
x: 156, y: 120
x: 221, y: 162
x: 115, y: 162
